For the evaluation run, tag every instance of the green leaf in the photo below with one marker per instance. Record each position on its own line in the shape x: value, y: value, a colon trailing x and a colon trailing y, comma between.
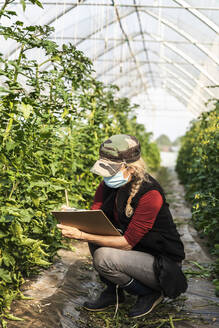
x: 42, y: 262
x: 26, y: 110
x: 3, y: 234
x: 36, y: 201
x: 20, y: 23
x: 5, y: 275
x: 37, y: 2
x: 4, y: 323
x: 12, y: 317
x: 11, y: 13
x: 31, y: 28
x: 10, y: 145
x: 4, y: 90
x: 23, y: 3
x: 8, y: 259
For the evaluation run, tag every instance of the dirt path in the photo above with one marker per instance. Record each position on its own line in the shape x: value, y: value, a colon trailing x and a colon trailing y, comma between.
x: 58, y: 293
x: 200, y: 300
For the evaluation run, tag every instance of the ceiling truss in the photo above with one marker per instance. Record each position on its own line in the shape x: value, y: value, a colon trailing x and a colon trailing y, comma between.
x: 182, y: 82
x: 166, y: 60
x: 179, y: 83
x: 184, y: 34
x: 66, y: 3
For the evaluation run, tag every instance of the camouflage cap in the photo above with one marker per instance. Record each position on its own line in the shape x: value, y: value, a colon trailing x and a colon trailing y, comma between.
x: 115, y: 151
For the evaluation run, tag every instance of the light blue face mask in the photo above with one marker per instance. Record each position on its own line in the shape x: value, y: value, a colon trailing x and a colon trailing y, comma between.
x: 116, y: 180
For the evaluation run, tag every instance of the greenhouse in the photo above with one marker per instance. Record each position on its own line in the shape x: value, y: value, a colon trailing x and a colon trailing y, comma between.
x: 109, y: 111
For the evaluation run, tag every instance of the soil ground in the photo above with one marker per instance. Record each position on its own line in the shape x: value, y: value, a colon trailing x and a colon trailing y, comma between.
x: 58, y: 293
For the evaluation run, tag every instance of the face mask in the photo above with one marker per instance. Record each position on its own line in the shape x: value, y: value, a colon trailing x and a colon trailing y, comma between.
x: 116, y: 180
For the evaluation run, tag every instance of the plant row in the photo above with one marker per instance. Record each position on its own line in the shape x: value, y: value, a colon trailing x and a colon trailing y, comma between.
x: 198, y: 169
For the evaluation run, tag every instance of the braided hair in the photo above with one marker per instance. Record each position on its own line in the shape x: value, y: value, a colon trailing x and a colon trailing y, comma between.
x: 139, y: 175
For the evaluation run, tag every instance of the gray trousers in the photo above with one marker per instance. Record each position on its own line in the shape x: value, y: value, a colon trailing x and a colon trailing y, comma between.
x: 119, y: 266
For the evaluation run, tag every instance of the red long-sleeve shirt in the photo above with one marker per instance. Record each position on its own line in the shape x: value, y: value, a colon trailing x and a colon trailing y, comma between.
x: 144, y: 216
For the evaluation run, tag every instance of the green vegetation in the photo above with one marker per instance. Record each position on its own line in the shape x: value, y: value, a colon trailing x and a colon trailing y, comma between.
x: 53, y: 117
x: 198, y: 169
x: 199, y: 270
x: 177, y: 141
x: 163, y: 141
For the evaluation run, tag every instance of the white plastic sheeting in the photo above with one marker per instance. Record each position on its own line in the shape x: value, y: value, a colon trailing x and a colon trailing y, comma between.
x: 138, y: 44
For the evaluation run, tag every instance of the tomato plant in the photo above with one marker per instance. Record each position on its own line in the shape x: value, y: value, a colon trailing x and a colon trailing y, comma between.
x: 53, y: 117
x: 198, y: 169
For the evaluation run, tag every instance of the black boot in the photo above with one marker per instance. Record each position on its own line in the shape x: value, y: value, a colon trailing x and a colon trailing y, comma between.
x: 106, y: 299
x: 147, y: 298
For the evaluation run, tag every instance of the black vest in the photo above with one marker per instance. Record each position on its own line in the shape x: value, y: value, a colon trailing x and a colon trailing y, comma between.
x: 163, y: 238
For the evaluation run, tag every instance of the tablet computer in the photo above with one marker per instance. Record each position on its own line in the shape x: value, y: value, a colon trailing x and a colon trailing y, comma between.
x: 90, y: 221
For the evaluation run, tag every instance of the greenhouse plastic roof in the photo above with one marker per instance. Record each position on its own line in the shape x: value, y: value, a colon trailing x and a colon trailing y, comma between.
x: 139, y: 44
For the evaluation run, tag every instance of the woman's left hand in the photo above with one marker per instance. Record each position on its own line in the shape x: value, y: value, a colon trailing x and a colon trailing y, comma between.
x: 70, y: 232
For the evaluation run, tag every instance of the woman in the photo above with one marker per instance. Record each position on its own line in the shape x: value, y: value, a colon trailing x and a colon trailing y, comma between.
x: 146, y: 259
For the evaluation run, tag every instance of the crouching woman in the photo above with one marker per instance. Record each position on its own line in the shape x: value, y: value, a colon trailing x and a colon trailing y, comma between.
x: 146, y: 259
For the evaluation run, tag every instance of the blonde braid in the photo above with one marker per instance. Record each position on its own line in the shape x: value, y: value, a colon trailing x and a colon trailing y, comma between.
x: 139, y: 175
